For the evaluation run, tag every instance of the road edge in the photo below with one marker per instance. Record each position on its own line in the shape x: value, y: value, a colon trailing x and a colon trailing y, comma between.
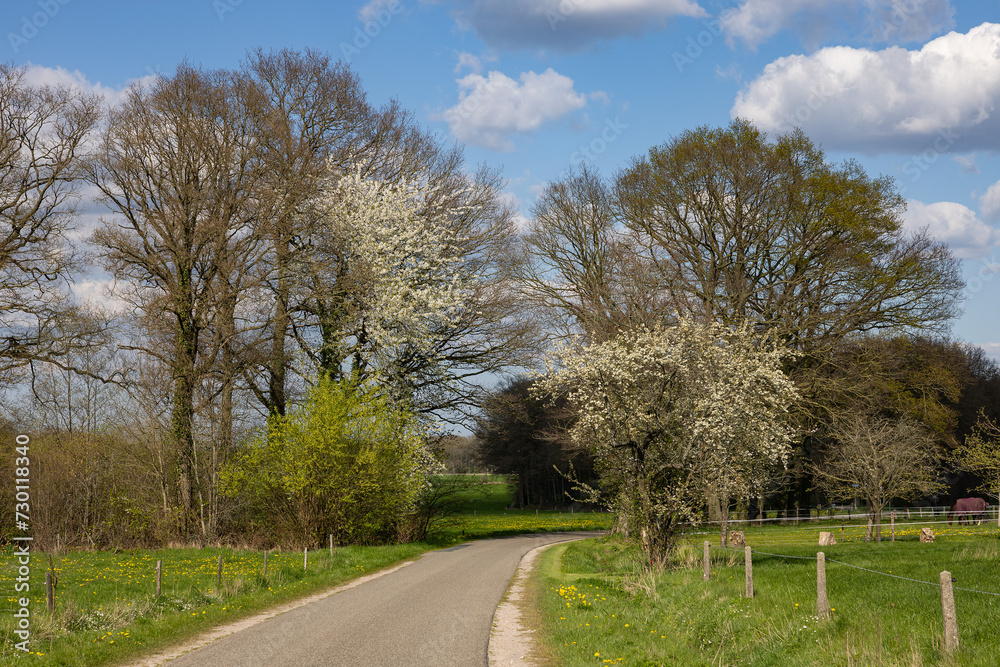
x: 511, y: 643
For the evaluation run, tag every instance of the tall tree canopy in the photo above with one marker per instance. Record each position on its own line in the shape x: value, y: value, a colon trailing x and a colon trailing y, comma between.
x: 179, y: 168
x: 725, y: 225
x: 743, y: 230
x: 43, y: 130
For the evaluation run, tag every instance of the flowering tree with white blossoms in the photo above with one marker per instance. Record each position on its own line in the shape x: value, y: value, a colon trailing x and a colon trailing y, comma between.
x: 673, y: 414
x: 389, y: 276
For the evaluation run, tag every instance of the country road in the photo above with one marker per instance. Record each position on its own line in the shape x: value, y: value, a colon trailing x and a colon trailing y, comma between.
x: 436, y: 611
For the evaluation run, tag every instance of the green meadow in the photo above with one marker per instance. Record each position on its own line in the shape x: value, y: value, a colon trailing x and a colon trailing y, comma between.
x: 600, y: 606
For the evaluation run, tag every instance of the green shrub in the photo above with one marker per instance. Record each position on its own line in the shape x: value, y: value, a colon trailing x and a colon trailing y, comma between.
x: 347, y: 463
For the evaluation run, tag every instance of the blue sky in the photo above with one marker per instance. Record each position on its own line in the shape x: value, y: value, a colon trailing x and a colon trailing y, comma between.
x: 910, y: 88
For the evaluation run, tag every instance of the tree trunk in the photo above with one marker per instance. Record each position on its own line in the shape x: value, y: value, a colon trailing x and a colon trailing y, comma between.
x: 182, y: 416
x: 278, y: 365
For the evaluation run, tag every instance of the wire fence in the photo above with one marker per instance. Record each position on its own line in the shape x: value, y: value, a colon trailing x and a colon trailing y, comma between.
x: 857, y: 567
x: 816, y: 515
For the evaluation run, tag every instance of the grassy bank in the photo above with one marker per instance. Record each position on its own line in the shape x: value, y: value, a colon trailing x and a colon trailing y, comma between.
x: 106, y: 610
x: 600, y: 607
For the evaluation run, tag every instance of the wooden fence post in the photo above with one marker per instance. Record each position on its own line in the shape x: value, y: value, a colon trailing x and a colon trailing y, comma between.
x: 265, y: 564
x: 748, y: 571
x: 331, y: 545
x: 305, y: 558
x: 892, y: 526
x: 948, y: 609
x: 822, y: 604
x: 49, y: 597
x: 218, y: 579
x: 159, y: 577
x: 707, y: 573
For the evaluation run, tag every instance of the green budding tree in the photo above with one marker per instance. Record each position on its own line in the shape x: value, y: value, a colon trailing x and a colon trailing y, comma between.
x: 980, y: 453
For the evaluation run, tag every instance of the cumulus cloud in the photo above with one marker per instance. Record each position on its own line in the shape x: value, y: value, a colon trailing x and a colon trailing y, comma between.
x: 57, y: 76
x: 896, y: 21
x: 943, y: 96
x: 989, y: 203
x: 567, y: 25
x: 954, y: 224
x: 494, y: 107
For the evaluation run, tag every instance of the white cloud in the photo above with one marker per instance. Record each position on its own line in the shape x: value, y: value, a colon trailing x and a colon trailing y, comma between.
x: 954, y: 224
x: 57, y: 76
x: 491, y: 108
x: 989, y: 203
x: 467, y: 60
x: 379, y: 10
x: 968, y: 163
x: 567, y: 24
x: 755, y: 21
x: 99, y: 294
x: 942, y: 97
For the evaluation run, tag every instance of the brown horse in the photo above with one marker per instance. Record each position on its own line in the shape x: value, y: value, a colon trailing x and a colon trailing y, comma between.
x: 967, y: 509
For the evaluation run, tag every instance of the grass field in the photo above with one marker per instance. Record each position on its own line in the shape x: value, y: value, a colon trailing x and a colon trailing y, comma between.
x: 106, y: 610
x: 601, y: 607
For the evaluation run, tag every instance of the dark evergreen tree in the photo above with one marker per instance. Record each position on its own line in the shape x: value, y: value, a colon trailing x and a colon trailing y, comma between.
x: 524, y: 435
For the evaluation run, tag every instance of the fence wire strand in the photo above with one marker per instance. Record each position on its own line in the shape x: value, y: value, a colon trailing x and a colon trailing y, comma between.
x: 858, y: 567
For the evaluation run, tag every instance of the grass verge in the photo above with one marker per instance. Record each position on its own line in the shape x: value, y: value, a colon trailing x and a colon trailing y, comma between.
x: 599, y: 606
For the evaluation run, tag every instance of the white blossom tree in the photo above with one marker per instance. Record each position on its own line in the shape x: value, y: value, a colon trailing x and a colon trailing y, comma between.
x: 390, y: 279
x: 672, y: 414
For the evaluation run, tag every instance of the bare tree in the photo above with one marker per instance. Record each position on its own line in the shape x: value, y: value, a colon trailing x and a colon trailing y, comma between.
x: 877, y: 461
x: 315, y: 124
x: 577, y: 267
x: 43, y: 130
x: 178, y: 167
x: 305, y: 108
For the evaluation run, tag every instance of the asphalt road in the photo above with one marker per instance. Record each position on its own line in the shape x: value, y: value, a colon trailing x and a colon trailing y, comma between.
x: 437, y: 611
